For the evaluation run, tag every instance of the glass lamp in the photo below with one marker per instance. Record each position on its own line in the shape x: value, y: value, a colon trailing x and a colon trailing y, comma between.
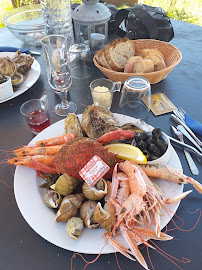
x: 91, y: 24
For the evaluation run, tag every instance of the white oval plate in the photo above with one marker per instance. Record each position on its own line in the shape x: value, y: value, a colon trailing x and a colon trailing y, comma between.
x: 28, y: 195
x: 29, y: 78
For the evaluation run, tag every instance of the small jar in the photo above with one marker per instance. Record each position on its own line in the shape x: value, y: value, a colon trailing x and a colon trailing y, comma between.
x: 6, y: 89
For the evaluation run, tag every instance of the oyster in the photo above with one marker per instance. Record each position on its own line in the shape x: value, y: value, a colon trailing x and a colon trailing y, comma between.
x: 22, y: 61
x: 65, y: 184
x: 96, y: 192
x: 74, y: 227
x: 73, y: 125
x: 66, y: 211
x: 86, y: 213
x: 17, y: 79
x: 7, y: 67
x: 52, y: 198
x: 96, y: 121
x: 103, y: 217
x: 130, y: 126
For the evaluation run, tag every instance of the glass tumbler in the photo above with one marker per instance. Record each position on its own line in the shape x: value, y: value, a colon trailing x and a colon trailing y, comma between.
x: 35, y: 112
x: 80, y: 61
x: 135, y: 98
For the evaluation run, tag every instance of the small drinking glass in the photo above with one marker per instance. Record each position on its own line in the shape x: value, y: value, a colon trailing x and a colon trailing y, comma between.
x: 102, y: 91
x: 35, y: 112
x: 58, y: 72
x: 135, y: 99
x: 80, y: 61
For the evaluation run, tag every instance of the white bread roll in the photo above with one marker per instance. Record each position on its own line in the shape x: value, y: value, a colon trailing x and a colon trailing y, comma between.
x: 144, y: 66
x: 129, y: 67
x: 158, y: 62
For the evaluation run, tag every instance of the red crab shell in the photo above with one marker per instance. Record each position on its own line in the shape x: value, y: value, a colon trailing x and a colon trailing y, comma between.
x: 74, y: 155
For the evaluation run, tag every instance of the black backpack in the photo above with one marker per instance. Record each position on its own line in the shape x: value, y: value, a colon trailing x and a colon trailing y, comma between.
x: 143, y: 22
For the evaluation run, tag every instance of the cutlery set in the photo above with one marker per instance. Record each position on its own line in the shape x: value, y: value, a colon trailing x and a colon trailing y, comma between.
x: 181, y: 130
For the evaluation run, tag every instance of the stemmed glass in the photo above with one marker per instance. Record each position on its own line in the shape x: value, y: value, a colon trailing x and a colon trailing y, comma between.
x: 58, y: 72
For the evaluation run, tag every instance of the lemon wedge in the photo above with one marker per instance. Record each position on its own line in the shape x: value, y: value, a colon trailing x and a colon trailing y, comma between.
x: 127, y: 152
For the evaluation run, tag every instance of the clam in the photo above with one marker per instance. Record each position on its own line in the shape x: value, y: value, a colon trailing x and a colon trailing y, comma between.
x: 86, y: 213
x: 52, y: 198
x: 65, y: 184
x: 103, y: 217
x: 66, y: 211
x: 74, y: 227
x: 96, y: 192
x: 7, y: 67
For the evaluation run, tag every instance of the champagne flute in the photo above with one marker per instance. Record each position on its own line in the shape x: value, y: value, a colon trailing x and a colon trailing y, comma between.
x: 58, y: 72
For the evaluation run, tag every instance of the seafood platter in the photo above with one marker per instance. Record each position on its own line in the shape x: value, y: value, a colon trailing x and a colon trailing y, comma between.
x: 124, y: 207
x: 22, y: 68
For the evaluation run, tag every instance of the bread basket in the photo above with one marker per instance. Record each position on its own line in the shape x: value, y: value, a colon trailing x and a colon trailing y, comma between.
x: 172, y: 57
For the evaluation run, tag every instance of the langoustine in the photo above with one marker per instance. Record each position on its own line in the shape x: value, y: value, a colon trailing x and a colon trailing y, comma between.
x: 137, y: 211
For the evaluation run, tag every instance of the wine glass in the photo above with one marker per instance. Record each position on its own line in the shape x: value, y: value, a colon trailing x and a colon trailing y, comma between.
x: 58, y: 72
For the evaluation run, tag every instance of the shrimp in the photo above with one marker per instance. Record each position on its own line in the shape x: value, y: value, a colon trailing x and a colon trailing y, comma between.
x: 170, y: 174
x: 56, y: 140
x: 118, y: 134
x: 34, y: 150
x: 43, y: 159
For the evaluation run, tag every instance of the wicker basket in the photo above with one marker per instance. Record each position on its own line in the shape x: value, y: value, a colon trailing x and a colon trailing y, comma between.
x: 172, y: 57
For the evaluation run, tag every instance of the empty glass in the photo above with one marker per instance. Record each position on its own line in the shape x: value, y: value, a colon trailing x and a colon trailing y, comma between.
x: 135, y: 99
x: 35, y: 112
x: 58, y: 72
x: 80, y: 61
x: 102, y: 91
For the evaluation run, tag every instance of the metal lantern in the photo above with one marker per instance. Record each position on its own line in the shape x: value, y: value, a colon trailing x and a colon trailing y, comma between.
x: 91, y: 24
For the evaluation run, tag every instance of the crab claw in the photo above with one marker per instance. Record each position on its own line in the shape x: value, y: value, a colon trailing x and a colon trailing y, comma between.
x: 118, y: 134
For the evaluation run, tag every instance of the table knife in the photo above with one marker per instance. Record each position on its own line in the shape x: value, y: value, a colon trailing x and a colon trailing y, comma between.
x: 188, y: 136
x: 186, y: 147
x: 179, y: 122
x: 14, y: 49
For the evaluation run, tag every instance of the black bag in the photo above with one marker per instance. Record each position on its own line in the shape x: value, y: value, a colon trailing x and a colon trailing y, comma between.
x: 144, y: 22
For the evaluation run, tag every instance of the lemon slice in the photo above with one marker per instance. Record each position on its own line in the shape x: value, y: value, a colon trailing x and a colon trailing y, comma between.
x: 127, y: 152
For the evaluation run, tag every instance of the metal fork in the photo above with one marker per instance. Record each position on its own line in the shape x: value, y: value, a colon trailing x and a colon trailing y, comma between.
x: 180, y: 113
x: 189, y: 159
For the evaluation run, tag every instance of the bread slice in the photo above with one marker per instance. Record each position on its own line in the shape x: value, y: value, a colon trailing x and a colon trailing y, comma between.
x: 144, y: 66
x: 118, y: 54
x: 145, y: 52
x: 129, y: 67
x: 97, y: 57
x: 103, y: 58
x: 158, y: 62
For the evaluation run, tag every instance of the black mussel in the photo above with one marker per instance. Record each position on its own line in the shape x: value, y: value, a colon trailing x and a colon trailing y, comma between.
x: 161, y: 145
x: 151, y: 140
x: 156, y: 133
x: 155, y: 150
x: 142, y: 145
x: 137, y: 138
x: 143, y: 136
x: 147, y: 154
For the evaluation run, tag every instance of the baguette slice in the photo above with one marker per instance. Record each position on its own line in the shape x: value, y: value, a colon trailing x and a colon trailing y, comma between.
x: 158, y: 62
x: 144, y: 66
x: 103, y: 59
x: 118, y: 54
